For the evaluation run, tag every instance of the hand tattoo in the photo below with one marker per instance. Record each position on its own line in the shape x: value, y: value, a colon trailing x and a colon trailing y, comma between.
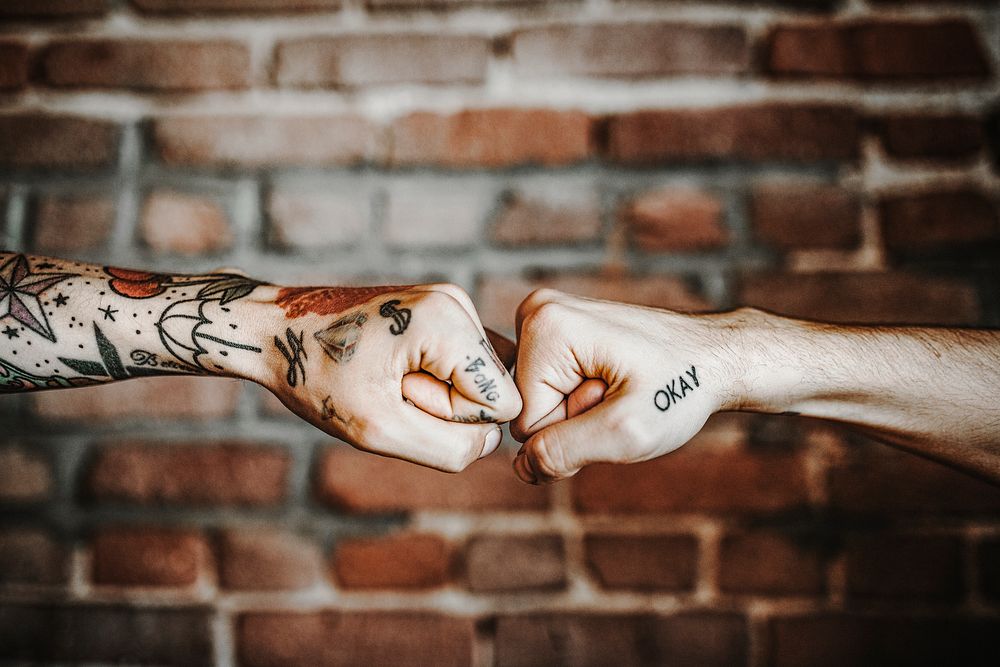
x: 340, y: 339
x: 401, y: 316
x: 294, y: 353
x: 673, y: 392
x: 487, y: 386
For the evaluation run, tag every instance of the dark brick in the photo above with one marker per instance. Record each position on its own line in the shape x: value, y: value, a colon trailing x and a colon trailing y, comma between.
x: 805, y: 215
x: 941, y: 137
x: 895, y: 567
x: 39, y: 140
x: 771, y: 563
x: 936, y: 223
x: 643, y: 562
x: 13, y: 64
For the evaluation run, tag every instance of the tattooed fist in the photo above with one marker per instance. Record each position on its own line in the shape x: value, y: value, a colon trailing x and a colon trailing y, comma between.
x: 604, y: 381
x: 405, y: 372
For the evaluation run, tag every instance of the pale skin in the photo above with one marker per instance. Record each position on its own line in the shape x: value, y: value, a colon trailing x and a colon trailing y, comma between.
x: 610, y: 382
x: 405, y: 372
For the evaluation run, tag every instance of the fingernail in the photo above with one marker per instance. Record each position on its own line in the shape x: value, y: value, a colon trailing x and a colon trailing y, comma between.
x: 492, y: 442
x: 523, y: 470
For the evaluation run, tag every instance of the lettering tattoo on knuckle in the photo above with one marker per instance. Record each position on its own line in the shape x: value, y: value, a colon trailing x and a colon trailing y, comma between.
x: 340, y: 340
x: 400, y: 316
x: 486, y: 385
x: 293, y: 353
x: 481, y: 418
x: 677, y: 389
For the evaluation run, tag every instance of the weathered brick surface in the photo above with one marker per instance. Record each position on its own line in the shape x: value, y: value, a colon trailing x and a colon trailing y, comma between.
x: 233, y: 6
x: 904, y: 567
x: 429, y: 214
x: 407, y: 561
x: 939, y: 222
x: 156, y: 398
x: 260, y: 141
x: 33, y: 140
x: 938, y: 137
x: 878, y: 50
x: 842, y: 639
x: 767, y: 132
x: 263, y: 558
x: 146, y: 556
x: 31, y: 556
x: 558, y: 214
x: 354, y: 638
x: 382, y: 59
x: 988, y: 560
x: 689, y: 480
x: 13, y: 65
x: 513, y: 562
x: 92, y: 633
x: 358, y: 482
x: 491, y: 138
x: 675, y: 219
x: 316, y: 218
x: 27, y: 475
x: 578, y: 639
x: 650, y: 48
x: 643, y: 562
x: 800, y: 215
x: 771, y: 563
x: 189, y: 474
x: 887, y: 298
x: 185, y: 224
x: 53, y: 8
x: 146, y: 65
x: 72, y: 223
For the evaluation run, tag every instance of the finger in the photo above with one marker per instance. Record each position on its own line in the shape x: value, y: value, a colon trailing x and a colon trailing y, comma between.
x: 532, y: 303
x: 589, y: 393
x: 442, y: 400
x: 561, y: 449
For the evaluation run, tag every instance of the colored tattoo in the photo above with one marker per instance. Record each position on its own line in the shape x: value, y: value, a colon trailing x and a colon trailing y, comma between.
x: 677, y: 389
x: 340, y: 340
x: 299, y: 301
x: 20, y: 291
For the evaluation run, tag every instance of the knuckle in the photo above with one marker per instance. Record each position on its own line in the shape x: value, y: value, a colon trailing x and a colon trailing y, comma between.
x: 546, y: 317
x: 452, y: 290
x: 549, y: 457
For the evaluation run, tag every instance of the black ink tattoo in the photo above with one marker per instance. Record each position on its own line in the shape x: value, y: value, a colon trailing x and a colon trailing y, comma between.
x: 60, y: 300
x: 481, y: 418
x: 14, y: 379
x: 293, y: 353
x: 340, y: 340
x: 327, y: 411
x: 186, y: 327
x: 400, y: 316
x: 11, y: 332
x: 20, y: 290
x: 109, y: 313
x: 487, y: 386
x: 111, y: 364
x: 675, y: 391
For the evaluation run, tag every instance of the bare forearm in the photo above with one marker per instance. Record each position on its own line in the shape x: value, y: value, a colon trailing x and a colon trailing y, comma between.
x: 936, y: 391
x: 65, y: 323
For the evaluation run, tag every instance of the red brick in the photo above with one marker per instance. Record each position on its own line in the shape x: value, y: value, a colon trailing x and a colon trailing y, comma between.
x: 436, y: 213
x: 771, y: 563
x: 835, y: 640
x: 354, y: 638
x: 146, y: 64
x: 904, y: 567
x: 13, y: 64
x: 148, y: 398
x: 27, y: 475
x: 73, y: 223
x: 939, y: 222
x: 675, y: 219
x: 785, y: 132
x: 942, y: 137
x: 491, y: 138
x: 359, y: 482
x: 801, y: 215
x: 693, y: 480
x: 259, y: 141
x: 887, y: 298
x: 29, y: 556
x: 361, y: 60
x: 179, y: 637
x: 185, y: 224
x: 394, y: 5
x: 988, y: 557
x: 499, y: 296
x: 650, y: 48
x: 877, y: 479
x: 498, y: 563
x: 878, y: 50
x: 149, y: 557
x: 643, y: 562
x: 562, y: 214
x: 52, y: 8
x: 232, y: 6
x: 310, y: 219
x: 34, y: 140
x: 407, y: 561
x: 259, y: 558
x: 189, y: 474
x: 591, y: 640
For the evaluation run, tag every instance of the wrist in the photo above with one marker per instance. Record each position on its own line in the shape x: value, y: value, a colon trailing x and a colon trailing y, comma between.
x: 258, y: 320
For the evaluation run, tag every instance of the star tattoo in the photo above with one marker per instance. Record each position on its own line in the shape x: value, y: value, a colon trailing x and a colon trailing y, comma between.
x: 60, y: 299
x: 19, y: 292
x: 11, y: 332
x: 109, y: 313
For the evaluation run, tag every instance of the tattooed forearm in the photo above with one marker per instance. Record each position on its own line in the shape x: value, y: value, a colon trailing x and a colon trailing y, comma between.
x: 69, y: 323
x: 400, y: 316
x: 676, y: 389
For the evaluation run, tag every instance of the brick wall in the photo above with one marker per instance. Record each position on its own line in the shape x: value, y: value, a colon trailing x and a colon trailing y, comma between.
x: 821, y: 158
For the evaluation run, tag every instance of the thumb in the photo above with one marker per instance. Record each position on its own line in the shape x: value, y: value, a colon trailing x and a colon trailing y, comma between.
x: 559, y: 450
